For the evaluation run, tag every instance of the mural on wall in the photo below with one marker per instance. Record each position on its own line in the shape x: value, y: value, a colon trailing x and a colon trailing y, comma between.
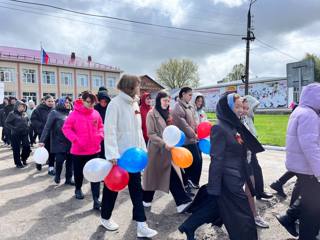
x: 269, y: 94
x: 212, y: 96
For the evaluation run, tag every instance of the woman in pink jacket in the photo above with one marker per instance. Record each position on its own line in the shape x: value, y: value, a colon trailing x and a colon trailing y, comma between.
x: 84, y: 129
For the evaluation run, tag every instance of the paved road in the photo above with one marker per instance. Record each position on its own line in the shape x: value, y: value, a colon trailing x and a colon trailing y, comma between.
x: 33, y: 207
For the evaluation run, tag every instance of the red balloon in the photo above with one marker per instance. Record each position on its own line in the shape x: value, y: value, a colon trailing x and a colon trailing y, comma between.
x: 204, y: 129
x: 117, y: 179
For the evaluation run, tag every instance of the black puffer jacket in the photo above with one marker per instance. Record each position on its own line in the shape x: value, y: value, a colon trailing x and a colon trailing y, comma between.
x: 7, y: 109
x: 2, y: 117
x: 102, y: 110
x: 39, y: 118
x: 18, y: 122
x: 58, y: 142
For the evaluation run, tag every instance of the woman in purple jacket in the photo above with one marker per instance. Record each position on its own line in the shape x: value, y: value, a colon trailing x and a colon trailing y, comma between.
x: 303, y: 158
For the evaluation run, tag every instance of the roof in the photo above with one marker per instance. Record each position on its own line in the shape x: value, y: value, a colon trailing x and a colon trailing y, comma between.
x: 57, y: 59
x: 147, y: 76
x: 239, y: 82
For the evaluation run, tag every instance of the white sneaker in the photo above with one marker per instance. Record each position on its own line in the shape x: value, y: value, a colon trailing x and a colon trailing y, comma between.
x: 146, y: 204
x: 109, y: 224
x: 260, y: 222
x: 144, y: 231
x: 183, y: 207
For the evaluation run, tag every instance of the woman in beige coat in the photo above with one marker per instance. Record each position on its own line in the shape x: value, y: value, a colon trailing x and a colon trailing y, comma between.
x: 161, y: 174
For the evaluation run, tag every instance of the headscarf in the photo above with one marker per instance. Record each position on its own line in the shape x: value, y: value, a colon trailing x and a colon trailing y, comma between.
x: 225, y: 114
x: 163, y: 112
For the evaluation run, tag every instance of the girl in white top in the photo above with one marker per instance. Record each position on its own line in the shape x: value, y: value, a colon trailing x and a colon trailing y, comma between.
x: 122, y: 129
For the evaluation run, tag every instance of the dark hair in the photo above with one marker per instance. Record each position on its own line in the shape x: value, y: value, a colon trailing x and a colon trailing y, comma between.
x: 128, y: 83
x: 102, y: 88
x: 203, y: 101
x: 163, y: 112
x: 184, y: 90
x: 161, y: 94
x: 47, y: 97
x: 89, y: 94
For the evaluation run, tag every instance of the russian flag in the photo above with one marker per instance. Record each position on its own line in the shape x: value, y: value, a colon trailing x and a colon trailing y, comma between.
x: 44, y: 57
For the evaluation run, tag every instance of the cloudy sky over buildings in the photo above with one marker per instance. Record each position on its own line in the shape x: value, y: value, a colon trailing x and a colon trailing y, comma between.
x: 285, y: 31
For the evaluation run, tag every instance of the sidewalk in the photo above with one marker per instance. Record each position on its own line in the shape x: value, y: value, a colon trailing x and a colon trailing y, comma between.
x: 33, y: 207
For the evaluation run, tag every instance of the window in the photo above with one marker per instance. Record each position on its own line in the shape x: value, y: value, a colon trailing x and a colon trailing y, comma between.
x: 83, y: 80
x: 66, y: 79
x: 97, y: 81
x: 9, y: 94
x: 111, y: 82
x: 7, y: 74
x: 48, y: 77
x: 52, y: 94
x: 30, y: 96
x: 67, y: 95
x: 29, y: 75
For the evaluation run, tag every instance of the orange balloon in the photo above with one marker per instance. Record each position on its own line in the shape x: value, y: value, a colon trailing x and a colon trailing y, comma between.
x: 182, y: 157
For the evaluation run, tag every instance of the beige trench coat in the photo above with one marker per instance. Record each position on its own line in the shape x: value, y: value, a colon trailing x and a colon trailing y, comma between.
x: 156, y: 176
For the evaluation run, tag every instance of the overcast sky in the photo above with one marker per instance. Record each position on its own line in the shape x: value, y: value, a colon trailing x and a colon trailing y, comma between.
x: 292, y: 26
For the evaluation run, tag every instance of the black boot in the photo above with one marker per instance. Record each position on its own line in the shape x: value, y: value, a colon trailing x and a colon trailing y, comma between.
x: 95, y: 189
x: 278, y: 187
x: 96, y: 204
x: 264, y: 195
x: 69, y: 182
x: 57, y: 179
x: 79, y: 194
x: 289, y: 225
x: 190, y: 236
x: 39, y: 167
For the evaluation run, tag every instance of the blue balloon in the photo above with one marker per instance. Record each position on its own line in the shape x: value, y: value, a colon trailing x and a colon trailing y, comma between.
x: 181, y: 141
x: 133, y: 160
x: 204, y: 145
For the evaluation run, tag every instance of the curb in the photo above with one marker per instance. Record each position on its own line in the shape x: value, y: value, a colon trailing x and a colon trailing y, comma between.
x: 275, y: 148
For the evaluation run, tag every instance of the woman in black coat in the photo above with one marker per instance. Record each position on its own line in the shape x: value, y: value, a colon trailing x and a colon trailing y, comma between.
x: 38, y: 120
x: 59, y: 144
x: 17, y: 122
x: 225, y: 198
x: 101, y: 107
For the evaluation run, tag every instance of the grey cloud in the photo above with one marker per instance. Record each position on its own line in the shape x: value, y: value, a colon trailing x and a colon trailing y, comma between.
x: 140, y: 49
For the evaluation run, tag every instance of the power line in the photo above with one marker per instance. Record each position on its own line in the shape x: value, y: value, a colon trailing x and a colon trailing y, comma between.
x: 104, y: 20
x: 278, y: 50
x: 112, y: 27
x: 127, y: 20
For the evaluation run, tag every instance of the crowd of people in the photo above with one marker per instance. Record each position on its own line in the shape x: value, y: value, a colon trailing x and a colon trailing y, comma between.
x: 96, y: 126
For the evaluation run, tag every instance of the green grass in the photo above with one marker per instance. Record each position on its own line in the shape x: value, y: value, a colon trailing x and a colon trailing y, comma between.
x: 271, y: 128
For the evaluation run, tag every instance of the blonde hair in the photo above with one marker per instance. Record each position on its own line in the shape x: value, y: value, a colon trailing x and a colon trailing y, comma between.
x: 128, y: 83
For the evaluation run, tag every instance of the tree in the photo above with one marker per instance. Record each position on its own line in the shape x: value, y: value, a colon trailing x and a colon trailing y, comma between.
x: 316, y: 60
x: 177, y: 73
x: 236, y: 73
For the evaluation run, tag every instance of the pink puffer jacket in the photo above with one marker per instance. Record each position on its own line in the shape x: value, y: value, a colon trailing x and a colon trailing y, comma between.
x: 84, y: 128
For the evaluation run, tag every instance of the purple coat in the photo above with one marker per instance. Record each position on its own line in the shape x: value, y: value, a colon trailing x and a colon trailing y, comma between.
x: 303, y: 134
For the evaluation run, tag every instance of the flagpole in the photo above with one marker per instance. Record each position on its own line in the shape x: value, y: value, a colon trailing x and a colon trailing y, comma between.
x: 40, y: 84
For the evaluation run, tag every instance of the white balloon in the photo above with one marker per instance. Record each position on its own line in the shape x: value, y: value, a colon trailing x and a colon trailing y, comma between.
x: 40, y: 155
x: 96, y: 169
x: 171, y: 135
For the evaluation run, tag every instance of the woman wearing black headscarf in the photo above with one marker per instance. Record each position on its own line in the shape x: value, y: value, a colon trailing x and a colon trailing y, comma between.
x: 161, y: 173
x: 225, y: 197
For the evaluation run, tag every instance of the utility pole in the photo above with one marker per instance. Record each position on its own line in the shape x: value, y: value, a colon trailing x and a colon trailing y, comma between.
x: 250, y: 37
